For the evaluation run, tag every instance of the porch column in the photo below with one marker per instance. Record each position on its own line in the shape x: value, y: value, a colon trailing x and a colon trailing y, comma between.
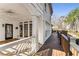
x: 34, y: 33
x: 40, y: 30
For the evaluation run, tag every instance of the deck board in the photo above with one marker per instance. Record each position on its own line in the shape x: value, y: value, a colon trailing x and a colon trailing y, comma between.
x: 52, y: 43
x: 7, y: 41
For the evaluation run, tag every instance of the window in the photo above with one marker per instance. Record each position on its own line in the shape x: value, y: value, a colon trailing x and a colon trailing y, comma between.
x: 30, y: 28
x: 26, y: 29
x: 21, y: 29
x: 45, y: 6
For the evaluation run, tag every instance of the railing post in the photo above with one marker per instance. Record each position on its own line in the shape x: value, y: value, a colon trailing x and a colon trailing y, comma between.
x: 34, y: 44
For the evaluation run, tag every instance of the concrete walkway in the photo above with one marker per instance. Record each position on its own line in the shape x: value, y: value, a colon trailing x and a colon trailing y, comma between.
x: 53, y: 45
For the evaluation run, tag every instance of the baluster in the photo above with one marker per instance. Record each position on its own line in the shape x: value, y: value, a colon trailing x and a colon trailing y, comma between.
x: 19, y: 46
x: 18, y: 49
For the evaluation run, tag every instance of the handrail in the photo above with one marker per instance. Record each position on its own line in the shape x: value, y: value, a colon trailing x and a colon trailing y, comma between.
x: 65, y: 44
x: 65, y: 37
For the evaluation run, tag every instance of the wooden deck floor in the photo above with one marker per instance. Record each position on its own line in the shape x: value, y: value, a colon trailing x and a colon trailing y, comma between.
x: 53, y: 45
x: 7, y: 41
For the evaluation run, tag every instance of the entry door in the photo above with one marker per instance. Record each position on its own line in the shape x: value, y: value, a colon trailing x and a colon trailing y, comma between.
x: 8, y: 31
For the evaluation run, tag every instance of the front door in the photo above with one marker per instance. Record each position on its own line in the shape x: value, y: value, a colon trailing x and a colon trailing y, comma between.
x: 8, y: 31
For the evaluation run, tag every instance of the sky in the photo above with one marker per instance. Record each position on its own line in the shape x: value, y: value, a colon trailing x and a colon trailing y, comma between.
x: 62, y: 9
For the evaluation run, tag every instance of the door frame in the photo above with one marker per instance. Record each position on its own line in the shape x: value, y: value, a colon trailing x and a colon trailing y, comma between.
x: 6, y: 31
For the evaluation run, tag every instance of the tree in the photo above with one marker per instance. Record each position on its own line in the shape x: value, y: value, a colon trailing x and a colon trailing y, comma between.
x: 72, y: 17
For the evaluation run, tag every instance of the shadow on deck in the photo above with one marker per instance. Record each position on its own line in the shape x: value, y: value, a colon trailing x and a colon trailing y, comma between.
x: 53, y: 44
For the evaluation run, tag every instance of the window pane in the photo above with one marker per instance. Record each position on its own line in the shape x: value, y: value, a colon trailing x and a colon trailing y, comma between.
x: 21, y: 29
x: 31, y: 29
x: 25, y: 30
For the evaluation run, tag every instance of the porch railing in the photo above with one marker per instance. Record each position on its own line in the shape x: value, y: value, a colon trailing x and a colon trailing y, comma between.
x: 17, y: 48
x: 65, y: 44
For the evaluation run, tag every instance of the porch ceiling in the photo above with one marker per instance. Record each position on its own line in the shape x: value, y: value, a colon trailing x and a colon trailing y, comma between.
x: 33, y: 8
x: 14, y: 10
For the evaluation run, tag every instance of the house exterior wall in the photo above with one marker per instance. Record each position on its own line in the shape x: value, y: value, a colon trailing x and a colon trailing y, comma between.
x: 2, y: 29
x: 43, y: 24
x: 47, y: 21
x: 7, y: 20
x: 44, y: 17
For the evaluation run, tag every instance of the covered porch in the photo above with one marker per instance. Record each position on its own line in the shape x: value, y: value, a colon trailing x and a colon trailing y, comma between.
x: 20, y: 31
